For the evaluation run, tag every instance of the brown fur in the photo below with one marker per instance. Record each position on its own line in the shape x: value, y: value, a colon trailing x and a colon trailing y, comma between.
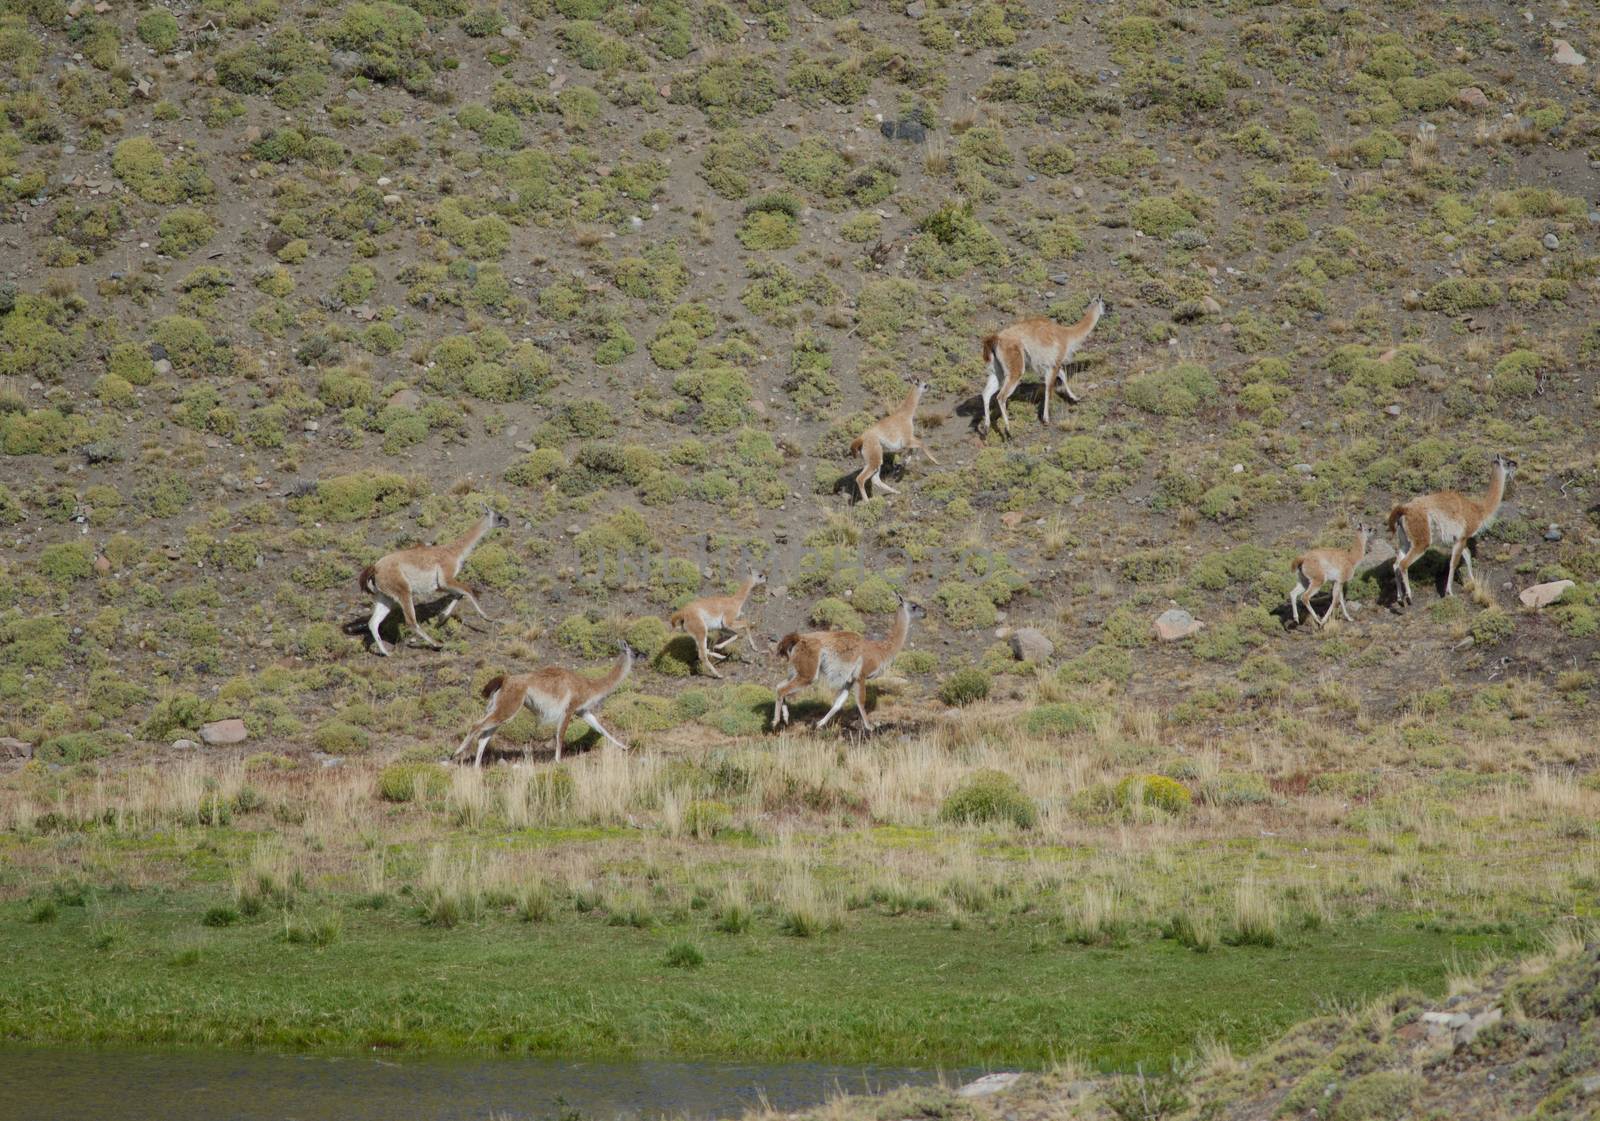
x: 1319, y: 566
x: 1447, y: 519
x: 894, y: 433
x: 846, y: 660
x: 717, y: 613
x: 1040, y: 343
x: 555, y: 694
x: 400, y: 578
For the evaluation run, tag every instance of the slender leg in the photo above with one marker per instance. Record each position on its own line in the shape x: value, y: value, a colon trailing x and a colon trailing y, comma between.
x: 872, y: 456
x: 1333, y: 601
x: 1294, y: 600
x: 861, y: 705
x: 1450, y: 573
x: 1311, y: 590
x: 838, y: 703
x: 780, y: 711
x: 705, y: 658
x: 1005, y: 417
x: 593, y: 721
x: 450, y: 608
x: 733, y: 637
x: 409, y: 609
x: 990, y: 388
x: 1049, y: 384
x: 1061, y: 376
x: 380, y: 611
x: 461, y: 591
x: 878, y: 482
x: 1466, y: 555
x: 923, y: 448
x: 561, y: 733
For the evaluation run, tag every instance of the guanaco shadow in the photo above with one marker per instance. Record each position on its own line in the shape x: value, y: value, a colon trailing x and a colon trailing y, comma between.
x: 1029, y: 392
x: 542, y: 750
x: 393, y: 624
x: 803, y: 716
x: 1428, y: 568
x: 894, y: 466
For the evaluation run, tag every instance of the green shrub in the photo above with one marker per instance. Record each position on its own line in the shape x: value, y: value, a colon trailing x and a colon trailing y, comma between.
x: 364, y: 494
x: 66, y: 562
x: 1460, y: 293
x: 684, y: 955
x: 1062, y: 718
x: 1160, y: 216
x: 182, y: 230
x: 403, y: 782
x: 1176, y: 391
x: 1153, y: 790
x: 338, y: 737
x: 964, y: 687
x: 139, y: 163
x: 158, y: 30
x: 989, y: 796
x: 965, y: 606
x: 179, y: 713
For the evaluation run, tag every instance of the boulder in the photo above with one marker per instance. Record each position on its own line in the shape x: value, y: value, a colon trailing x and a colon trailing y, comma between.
x: 1543, y: 595
x: 1564, y: 53
x: 913, y: 131
x: 11, y: 748
x: 406, y: 399
x: 1029, y: 644
x: 222, y: 732
x: 1175, y: 624
x: 989, y: 1084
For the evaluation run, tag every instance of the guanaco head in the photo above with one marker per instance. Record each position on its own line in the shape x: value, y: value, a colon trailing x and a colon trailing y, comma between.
x: 915, y: 610
x: 1505, y: 465
x: 1364, y: 533
x: 629, y: 651
x: 1099, y: 306
x: 498, y: 520
x: 757, y: 578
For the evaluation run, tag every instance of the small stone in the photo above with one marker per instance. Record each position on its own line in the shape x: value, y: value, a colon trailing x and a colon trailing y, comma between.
x: 1589, y: 1086
x: 916, y: 9
x: 345, y: 62
x: 1303, y: 469
x: 1175, y: 624
x: 1473, y: 98
x: 1565, y: 54
x: 1543, y: 595
x: 1393, y: 410
x: 1467, y: 1032
x: 222, y: 732
x: 101, y: 564
x: 184, y: 745
x: 989, y: 1084
x: 913, y: 131
x: 13, y: 748
x: 406, y: 399
x: 1551, y: 241
x: 1029, y: 644
x: 511, y: 31
x: 1552, y: 533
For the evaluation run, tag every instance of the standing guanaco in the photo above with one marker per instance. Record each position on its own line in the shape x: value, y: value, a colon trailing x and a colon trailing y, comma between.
x: 402, y: 578
x: 844, y: 660
x: 1449, y: 520
x: 556, y: 694
x: 1034, y: 344
x: 894, y: 433
x: 702, y: 616
x: 1320, y: 566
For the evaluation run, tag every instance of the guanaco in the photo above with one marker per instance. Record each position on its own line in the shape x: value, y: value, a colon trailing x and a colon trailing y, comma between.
x: 894, y: 433
x: 556, y: 694
x: 844, y: 660
x: 1320, y: 566
x: 402, y: 578
x: 1449, y: 520
x: 1034, y: 344
x: 702, y: 616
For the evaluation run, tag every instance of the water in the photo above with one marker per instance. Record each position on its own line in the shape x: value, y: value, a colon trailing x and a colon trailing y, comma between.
x: 48, y: 1085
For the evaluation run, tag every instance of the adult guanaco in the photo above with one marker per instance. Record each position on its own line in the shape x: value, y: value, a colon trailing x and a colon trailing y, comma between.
x: 843, y: 660
x: 402, y: 578
x: 1448, y: 520
x: 702, y: 616
x: 1037, y: 344
x: 1321, y: 566
x: 556, y: 694
x: 894, y: 433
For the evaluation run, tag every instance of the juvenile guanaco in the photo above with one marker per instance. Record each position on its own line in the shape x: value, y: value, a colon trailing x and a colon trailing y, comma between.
x: 843, y: 660
x: 1320, y: 566
x: 402, y: 578
x: 717, y: 613
x: 1037, y: 344
x: 556, y: 694
x: 1448, y: 520
x: 894, y: 433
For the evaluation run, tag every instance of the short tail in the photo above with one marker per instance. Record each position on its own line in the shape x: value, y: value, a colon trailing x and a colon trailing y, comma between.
x: 989, y: 344
x: 367, y: 581
x: 492, y: 686
x: 786, y: 644
x: 1395, y: 515
x: 855, y: 446
x: 676, y: 620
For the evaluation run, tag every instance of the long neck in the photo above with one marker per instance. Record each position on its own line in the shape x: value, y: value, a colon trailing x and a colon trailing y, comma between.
x: 891, y: 646
x: 744, y: 590
x: 1358, y: 550
x: 908, y: 407
x: 464, y: 546
x: 1497, y: 492
x: 1090, y: 318
x: 614, y: 678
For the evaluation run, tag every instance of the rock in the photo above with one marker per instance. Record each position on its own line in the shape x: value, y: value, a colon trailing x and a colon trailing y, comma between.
x: 1029, y: 644
x: 1011, y: 519
x: 1441, y: 1024
x: 989, y: 1084
x: 221, y: 732
x: 184, y: 745
x: 1543, y: 595
x: 1589, y: 1086
x: 163, y: 367
x: 1393, y: 410
x: 1467, y: 1032
x: 1175, y: 624
x: 913, y: 131
x: 1553, y: 533
x: 1304, y: 469
x: 916, y: 9
x: 1471, y: 97
x: 345, y: 62
x: 406, y: 399
x: 1551, y: 241
x: 1564, y: 53
x: 101, y: 564
x: 12, y: 748
x: 1212, y: 306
